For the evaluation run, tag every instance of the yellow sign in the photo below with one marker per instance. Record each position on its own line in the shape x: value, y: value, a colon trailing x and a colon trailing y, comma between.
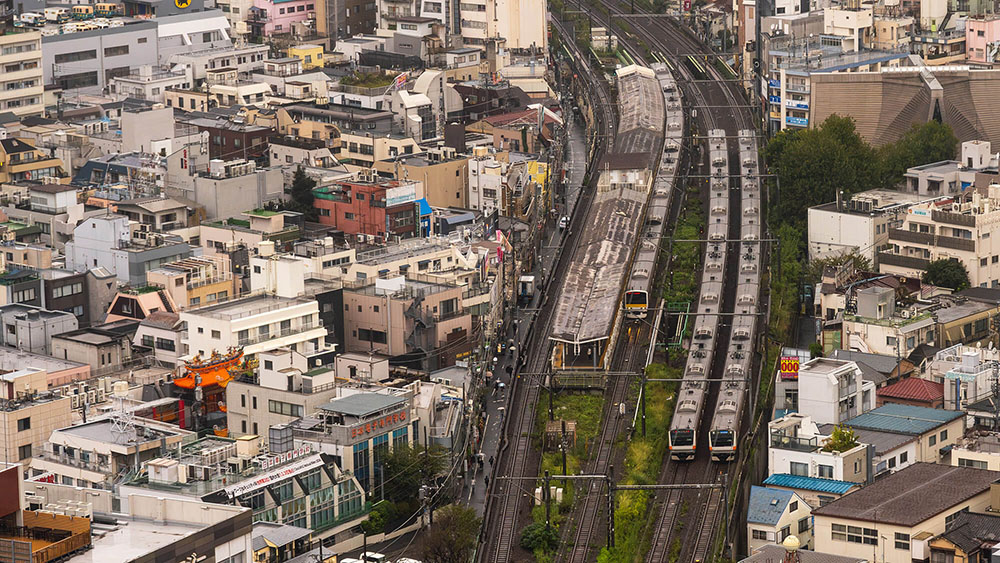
x: 182, y: 3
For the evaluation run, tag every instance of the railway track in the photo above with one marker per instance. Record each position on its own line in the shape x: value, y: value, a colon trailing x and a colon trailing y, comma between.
x: 507, y: 498
x: 724, y: 113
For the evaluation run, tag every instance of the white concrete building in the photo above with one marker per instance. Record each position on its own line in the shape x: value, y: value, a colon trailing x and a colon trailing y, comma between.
x: 258, y: 323
x: 21, y: 85
x: 796, y: 447
x: 967, y: 373
x: 486, y: 181
x: 832, y: 391
x: 860, y: 224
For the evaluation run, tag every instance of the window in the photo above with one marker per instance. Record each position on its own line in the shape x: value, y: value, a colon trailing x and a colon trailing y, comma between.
x: 254, y: 407
x: 216, y: 334
x: 206, y: 37
x: 838, y: 532
x: 944, y: 435
x: 942, y: 556
x: 759, y: 535
x: 243, y: 403
x: 147, y: 340
x: 62, y: 58
x: 826, y: 471
x: 932, y: 440
x: 141, y: 40
x: 116, y: 51
x: 784, y: 533
x: 804, y: 525
x: 793, y: 506
x: 902, y: 458
x: 892, y: 463
x: 281, y: 407
x: 902, y: 541
x: 78, y: 80
x: 972, y: 463
x: 951, y: 517
x: 24, y: 424
x: 24, y: 452
x: 825, y: 500
x: 243, y: 426
x: 800, y: 469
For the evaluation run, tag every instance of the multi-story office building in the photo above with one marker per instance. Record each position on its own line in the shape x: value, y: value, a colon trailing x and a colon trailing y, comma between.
x: 86, y: 61
x: 376, y: 210
x: 196, y: 281
x: 30, y: 413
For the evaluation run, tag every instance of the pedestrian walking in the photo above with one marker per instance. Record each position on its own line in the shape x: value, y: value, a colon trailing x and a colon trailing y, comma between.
x: 486, y: 480
x: 491, y: 461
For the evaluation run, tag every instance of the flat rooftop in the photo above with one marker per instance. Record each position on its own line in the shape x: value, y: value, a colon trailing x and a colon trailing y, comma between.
x: 248, y: 306
x: 363, y: 404
x: 132, y: 539
x: 100, y: 430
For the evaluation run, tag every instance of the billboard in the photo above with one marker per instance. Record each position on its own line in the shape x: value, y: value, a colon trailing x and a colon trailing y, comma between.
x: 401, y: 195
x: 789, y: 367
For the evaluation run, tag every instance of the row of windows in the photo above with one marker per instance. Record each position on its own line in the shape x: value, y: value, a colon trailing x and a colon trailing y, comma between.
x: 854, y: 534
x: 67, y: 290
x: 281, y: 407
x: 159, y: 343
x: 293, y: 9
x: 972, y: 463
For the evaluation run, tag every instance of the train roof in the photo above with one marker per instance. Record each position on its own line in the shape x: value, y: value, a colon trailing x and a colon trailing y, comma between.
x: 641, y: 112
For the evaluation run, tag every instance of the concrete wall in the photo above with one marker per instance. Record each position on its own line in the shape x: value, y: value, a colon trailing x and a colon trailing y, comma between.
x: 139, y: 37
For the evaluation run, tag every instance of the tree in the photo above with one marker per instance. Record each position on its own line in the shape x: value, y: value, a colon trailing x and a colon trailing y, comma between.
x: 453, y: 536
x: 924, y: 143
x: 813, y: 165
x: 537, y: 536
x: 947, y: 273
x: 381, y: 514
x: 841, y: 440
x: 302, y: 196
x: 406, y: 468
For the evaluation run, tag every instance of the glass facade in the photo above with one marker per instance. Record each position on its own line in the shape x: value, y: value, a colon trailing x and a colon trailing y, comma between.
x: 361, y: 464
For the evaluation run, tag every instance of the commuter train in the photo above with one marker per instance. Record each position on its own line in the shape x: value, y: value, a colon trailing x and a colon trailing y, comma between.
x: 683, y: 436
x: 724, y: 431
x: 637, y: 289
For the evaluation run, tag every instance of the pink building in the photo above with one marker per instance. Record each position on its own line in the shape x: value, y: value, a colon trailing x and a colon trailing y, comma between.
x: 982, y: 39
x: 268, y: 17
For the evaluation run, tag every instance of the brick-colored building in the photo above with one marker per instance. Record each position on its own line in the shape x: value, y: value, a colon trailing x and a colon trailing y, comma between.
x: 377, y: 209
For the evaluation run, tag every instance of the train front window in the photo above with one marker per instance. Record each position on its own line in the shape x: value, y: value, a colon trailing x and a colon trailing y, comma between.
x: 681, y: 438
x: 635, y: 298
x: 722, y: 438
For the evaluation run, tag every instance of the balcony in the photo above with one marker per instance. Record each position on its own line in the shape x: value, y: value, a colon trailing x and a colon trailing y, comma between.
x: 209, y: 281
x: 94, y: 464
x: 910, y: 236
x: 912, y: 262
x: 795, y: 443
x: 956, y: 243
x: 799, y: 88
x: 264, y: 337
x: 959, y: 219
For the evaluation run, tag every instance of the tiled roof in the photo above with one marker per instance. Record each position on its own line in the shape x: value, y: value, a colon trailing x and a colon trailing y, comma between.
x: 771, y: 553
x: 903, y: 419
x: 969, y: 531
x: 911, y: 495
x: 914, y: 389
x: 810, y: 483
x: 767, y: 505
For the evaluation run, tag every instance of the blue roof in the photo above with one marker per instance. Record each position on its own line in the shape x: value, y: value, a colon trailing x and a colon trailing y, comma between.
x: 767, y: 505
x: 817, y: 484
x: 903, y: 419
x: 425, y: 208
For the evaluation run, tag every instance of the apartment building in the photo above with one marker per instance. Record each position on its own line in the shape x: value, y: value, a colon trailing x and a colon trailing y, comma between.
x: 408, y: 316
x: 30, y: 415
x: 949, y: 230
x: 832, y: 391
x: 442, y: 172
x: 21, y: 160
x: 901, y: 512
x: 160, y: 332
x: 289, y: 385
x: 878, y: 328
x: 952, y: 177
x: 477, y: 22
x: 966, y: 373
x: 159, y: 212
x: 128, y: 250
x: 23, y: 83
x: 979, y: 449
x: 258, y: 323
x: 860, y: 224
x: 260, y: 228
x: 196, y: 281
x: 31, y: 328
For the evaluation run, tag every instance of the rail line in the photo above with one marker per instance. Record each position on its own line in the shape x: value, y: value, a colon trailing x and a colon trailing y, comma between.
x: 506, y: 496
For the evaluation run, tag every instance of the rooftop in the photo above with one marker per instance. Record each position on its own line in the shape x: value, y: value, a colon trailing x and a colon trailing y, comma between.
x: 248, y: 306
x: 903, y: 419
x: 772, y: 553
x: 363, y: 404
x: 767, y: 505
x: 911, y: 495
x: 914, y: 389
x: 132, y: 540
x: 810, y: 483
x: 969, y: 531
x: 276, y: 534
x: 101, y: 431
x: 884, y: 442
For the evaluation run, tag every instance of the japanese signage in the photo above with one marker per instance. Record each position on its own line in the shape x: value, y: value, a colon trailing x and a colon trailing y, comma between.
x: 285, y: 457
x: 789, y: 367
x: 800, y: 121
x: 774, y: 83
x: 377, y: 424
x: 274, y: 476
